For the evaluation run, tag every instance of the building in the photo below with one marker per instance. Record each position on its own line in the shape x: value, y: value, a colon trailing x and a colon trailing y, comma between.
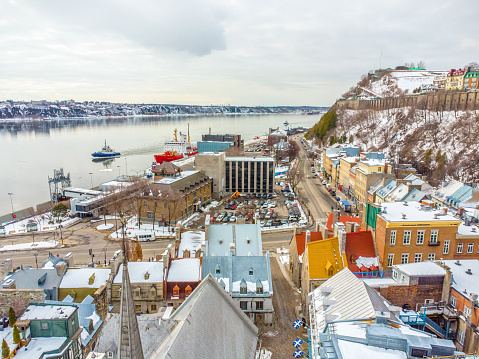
x: 235, y: 140
x: 146, y: 280
x: 345, y: 164
x: 471, y: 79
x: 182, y: 276
x: 213, y: 146
x: 173, y: 198
x: 411, y: 232
x: 447, y: 188
x: 440, y: 81
x: 297, y: 245
x: 248, y: 280
x: 463, y: 300
x: 368, y: 173
x: 78, y: 283
x: 212, y: 164
x: 455, y: 79
x: 50, y: 329
x: 249, y: 174
x: 233, y: 239
x: 277, y: 136
x: 165, y: 169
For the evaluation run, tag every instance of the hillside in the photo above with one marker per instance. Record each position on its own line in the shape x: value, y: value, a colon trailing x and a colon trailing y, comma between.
x: 440, y: 144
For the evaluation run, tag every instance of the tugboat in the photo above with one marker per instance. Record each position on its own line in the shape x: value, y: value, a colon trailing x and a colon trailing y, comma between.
x: 177, y: 149
x: 106, y: 152
x: 286, y: 123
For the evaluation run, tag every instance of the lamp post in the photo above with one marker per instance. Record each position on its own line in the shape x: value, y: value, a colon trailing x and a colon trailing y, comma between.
x: 91, y: 178
x: 36, y: 258
x: 11, y: 202
x: 118, y: 170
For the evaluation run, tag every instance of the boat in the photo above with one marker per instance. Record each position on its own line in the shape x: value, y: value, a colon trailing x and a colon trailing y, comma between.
x: 286, y: 123
x: 177, y: 149
x: 106, y: 152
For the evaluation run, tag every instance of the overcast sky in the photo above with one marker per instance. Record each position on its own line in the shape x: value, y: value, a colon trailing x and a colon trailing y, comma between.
x: 239, y: 52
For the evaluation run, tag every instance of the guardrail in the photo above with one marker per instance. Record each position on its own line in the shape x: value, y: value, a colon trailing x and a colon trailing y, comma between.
x: 373, y: 274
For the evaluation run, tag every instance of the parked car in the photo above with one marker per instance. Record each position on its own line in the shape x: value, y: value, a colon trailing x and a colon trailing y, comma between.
x: 284, y: 221
x: 233, y: 219
x: 269, y: 223
x: 261, y: 223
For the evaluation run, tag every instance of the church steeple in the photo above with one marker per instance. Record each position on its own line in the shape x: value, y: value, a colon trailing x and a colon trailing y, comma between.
x: 130, y: 342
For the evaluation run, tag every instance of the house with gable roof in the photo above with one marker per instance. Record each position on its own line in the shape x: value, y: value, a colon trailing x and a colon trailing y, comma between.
x: 297, y: 245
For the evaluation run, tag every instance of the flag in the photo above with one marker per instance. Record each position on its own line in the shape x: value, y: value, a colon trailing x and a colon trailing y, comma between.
x: 297, y: 324
x: 298, y: 354
x: 297, y: 343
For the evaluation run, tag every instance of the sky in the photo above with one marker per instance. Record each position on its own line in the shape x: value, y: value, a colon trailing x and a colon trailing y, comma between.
x: 238, y: 52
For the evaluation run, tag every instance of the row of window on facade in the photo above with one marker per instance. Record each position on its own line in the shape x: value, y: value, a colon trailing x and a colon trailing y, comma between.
x: 244, y: 305
x: 419, y: 237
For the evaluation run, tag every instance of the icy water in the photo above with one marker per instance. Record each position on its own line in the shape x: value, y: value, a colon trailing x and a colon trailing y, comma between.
x: 30, y: 152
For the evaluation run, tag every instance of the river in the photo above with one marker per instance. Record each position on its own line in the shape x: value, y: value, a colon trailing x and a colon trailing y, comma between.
x: 29, y: 153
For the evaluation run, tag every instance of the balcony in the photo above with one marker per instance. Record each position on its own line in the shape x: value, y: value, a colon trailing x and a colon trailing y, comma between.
x: 434, y: 244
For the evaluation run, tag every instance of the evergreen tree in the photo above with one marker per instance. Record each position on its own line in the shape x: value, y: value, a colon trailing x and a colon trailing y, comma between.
x: 5, y: 349
x: 12, y: 318
x: 16, y: 334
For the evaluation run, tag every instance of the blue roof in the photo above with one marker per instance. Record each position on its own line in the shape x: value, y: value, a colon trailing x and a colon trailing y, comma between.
x: 414, y: 196
x: 246, y: 237
x: 345, y: 203
x: 54, y: 260
x: 238, y: 269
x: 463, y: 193
x: 383, y: 191
x: 30, y: 278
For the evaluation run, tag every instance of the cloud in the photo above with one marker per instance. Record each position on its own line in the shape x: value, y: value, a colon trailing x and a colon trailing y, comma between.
x: 242, y: 52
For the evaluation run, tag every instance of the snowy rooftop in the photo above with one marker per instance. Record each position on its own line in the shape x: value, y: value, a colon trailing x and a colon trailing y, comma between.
x: 461, y: 281
x: 249, y: 159
x: 79, y: 278
x: 414, y: 212
x: 38, y: 346
x: 470, y: 230
x: 244, y: 238
x: 351, y: 350
x: 426, y: 268
x: 185, y: 270
x: 373, y: 162
x: 138, y: 272
x: 48, y: 312
x: 190, y: 241
x: 182, y: 175
x: 350, y: 159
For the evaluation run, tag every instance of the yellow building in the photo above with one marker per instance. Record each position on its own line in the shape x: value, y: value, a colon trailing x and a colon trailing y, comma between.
x: 368, y: 173
x: 321, y: 260
x: 335, y: 172
x: 345, y: 164
x: 81, y: 282
x: 455, y: 79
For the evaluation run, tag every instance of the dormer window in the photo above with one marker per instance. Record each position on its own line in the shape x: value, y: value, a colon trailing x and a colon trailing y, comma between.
x: 250, y: 271
x: 187, y: 291
x: 137, y: 292
x: 147, y: 275
x: 218, y: 269
x: 176, y: 291
x: 153, y: 292
x: 243, y: 287
x: 259, y: 287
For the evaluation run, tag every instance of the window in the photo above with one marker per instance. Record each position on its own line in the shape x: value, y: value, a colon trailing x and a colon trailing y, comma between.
x: 44, y: 325
x: 187, y: 291
x: 417, y: 257
x: 395, y: 275
x: 137, y: 308
x: 453, y: 301
x: 251, y: 271
x: 407, y: 238
x: 137, y: 292
x: 243, y: 290
x: 259, y: 305
x: 151, y: 215
x: 393, y: 238
x: 153, y: 292
x: 467, y: 311
x: 433, y: 236
x: 420, y: 237
x: 176, y: 291
x: 470, y: 247
x: 431, y: 256
x: 390, y: 259
x: 110, y: 355
x: 404, y: 258
x: 460, y: 337
x: 243, y: 305
x: 459, y: 247
x: 446, y: 247
x: 153, y: 308
x: 259, y: 290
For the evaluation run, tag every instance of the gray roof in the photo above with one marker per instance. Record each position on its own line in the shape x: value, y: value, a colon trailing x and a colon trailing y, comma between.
x: 234, y: 269
x: 414, y: 196
x: 246, y: 238
x: 209, y: 324
x: 383, y: 192
x: 29, y: 278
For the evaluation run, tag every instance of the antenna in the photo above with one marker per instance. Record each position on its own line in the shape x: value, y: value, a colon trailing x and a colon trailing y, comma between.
x: 188, y: 132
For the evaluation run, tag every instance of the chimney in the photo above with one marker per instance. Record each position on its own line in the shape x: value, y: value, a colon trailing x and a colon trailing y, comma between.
x: 233, y: 249
x: 444, y: 210
x: 60, y: 267
x: 308, y: 236
x: 386, y: 167
x: 9, y: 284
x: 338, y: 227
x: 350, y: 227
x: 69, y: 260
x: 336, y: 216
x: 342, y: 241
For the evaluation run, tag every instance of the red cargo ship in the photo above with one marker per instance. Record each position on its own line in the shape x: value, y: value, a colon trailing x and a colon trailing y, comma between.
x: 176, y: 150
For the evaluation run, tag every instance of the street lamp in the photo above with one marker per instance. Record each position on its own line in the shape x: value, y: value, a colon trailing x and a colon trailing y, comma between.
x: 91, y: 178
x: 11, y: 201
x: 118, y: 170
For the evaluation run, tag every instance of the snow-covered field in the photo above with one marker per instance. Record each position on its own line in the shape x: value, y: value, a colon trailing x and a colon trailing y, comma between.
x: 43, y: 223
x: 28, y: 246
x: 132, y: 230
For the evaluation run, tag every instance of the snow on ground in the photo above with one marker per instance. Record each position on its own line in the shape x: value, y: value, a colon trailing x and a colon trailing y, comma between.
x: 132, y: 230
x: 284, y: 259
x: 103, y: 218
x: 103, y: 227
x: 42, y: 222
x: 193, y: 217
x: 28, y: 246
x: 282, y: 250
x: 213, y: 204
x: 264, y: 354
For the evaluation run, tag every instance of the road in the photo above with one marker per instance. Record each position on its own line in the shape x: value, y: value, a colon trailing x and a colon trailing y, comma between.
x: 311, y: 191
x: 83, y: 236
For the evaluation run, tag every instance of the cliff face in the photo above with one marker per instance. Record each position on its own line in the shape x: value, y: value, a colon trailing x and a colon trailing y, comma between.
x: 439, y: 143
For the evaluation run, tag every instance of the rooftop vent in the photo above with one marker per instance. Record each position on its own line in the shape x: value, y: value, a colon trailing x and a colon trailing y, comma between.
x: 469, y: 271
x: 436, y: 215
x: 473, y: 229
x: 403, y: 216
x: 405, y: 203
x: 221, y: 241
x: 458, y: 263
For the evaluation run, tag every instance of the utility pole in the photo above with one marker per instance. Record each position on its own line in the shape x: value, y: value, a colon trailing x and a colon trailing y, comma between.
x: 11, y: 202
x: 36, y: 258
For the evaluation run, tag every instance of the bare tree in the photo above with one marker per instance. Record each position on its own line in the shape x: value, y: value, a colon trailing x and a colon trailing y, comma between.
x: 295, y: 175
x: 172, y: 198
